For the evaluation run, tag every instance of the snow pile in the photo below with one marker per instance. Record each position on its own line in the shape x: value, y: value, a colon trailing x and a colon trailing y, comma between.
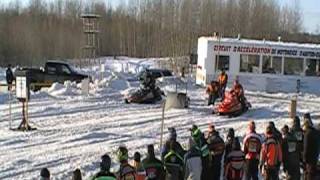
x: 66, y: 89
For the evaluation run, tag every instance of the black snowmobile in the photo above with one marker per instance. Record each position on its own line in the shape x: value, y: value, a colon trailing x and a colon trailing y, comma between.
x: 148, y: 93
x: 145, y: 96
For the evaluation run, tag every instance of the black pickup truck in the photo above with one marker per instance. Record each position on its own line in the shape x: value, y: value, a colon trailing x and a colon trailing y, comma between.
x: 54, y: 71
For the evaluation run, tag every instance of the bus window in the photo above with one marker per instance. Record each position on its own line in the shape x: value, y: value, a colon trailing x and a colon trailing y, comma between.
x: 293, y: 66
x: 277, y: 64
x: 223, y: 62
x: 249, y: 63
x: 267, y: 65
x: 271, y: 65
x: 312, y: 68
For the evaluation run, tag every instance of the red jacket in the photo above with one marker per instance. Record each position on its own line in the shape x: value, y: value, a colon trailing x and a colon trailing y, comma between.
x: 271, y: 152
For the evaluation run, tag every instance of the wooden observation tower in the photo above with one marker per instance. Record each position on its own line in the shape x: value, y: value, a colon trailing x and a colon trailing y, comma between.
x: 90, y: 49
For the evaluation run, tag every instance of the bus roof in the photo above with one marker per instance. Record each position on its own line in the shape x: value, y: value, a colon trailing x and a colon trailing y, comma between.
x: 263, y: 42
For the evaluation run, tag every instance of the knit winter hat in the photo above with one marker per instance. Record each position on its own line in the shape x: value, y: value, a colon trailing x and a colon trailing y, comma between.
x: 137, y: 157
x: 105, y: 162
x: 45, y: 173
x: 230, y: 133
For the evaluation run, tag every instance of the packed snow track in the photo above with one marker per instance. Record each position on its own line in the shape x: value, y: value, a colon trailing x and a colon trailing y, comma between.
x: 75, y: 130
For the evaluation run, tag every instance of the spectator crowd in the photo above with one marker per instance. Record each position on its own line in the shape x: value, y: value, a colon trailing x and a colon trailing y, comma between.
x: 290, y: 153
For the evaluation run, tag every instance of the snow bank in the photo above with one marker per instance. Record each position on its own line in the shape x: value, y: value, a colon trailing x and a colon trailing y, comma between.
x: 66, y: 89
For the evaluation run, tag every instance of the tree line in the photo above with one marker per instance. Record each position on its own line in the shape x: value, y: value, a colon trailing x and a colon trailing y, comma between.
x: 42, y: 30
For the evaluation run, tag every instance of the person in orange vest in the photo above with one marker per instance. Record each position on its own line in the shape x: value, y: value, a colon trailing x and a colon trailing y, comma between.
x: 213, y: 92
x: 223, y: 81
x: 271, y: 156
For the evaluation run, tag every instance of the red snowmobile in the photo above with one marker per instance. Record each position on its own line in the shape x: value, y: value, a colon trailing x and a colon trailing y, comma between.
x: 231, y: 106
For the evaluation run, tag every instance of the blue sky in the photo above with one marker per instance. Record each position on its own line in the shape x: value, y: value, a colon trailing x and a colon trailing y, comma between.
x: 310, y: 10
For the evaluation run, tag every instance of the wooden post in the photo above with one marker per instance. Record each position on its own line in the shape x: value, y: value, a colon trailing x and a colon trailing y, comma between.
x: 10, y: 112
x: 293, y: 108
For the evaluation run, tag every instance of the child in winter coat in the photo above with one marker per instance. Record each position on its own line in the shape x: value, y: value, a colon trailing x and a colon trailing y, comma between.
x: 235, y: 162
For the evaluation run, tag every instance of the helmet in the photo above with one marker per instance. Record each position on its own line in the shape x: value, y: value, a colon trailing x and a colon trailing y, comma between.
x: 151, y: 150
x: 137, y: 157
x: 122, y: 154
x: 195, y: 133
x: 45, y: 173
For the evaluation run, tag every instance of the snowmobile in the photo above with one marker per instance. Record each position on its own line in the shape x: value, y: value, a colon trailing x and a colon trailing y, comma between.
x: 231, y: 106
x: 144, y: 96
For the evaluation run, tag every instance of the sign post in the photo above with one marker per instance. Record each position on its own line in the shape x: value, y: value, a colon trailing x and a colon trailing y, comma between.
x: 10, y: 112
x: 23, y: 95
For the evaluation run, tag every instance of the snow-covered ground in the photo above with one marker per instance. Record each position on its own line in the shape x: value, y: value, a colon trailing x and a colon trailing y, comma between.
x: 75, y: 130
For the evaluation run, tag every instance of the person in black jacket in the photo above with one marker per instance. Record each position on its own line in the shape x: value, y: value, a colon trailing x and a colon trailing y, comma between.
x: 229, y: 142
x: 290, y: 154
x: 177, y: 148
x: 216, y: 146
x: 311, y: 149
x: 297, y: 131
x: 9, y: 77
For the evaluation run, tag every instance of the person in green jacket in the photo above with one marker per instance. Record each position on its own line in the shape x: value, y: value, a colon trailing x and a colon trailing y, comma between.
x: 174, y: 164
x: 104, y: 173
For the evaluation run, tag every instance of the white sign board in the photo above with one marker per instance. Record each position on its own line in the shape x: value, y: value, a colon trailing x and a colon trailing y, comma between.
x: 21, y: 87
